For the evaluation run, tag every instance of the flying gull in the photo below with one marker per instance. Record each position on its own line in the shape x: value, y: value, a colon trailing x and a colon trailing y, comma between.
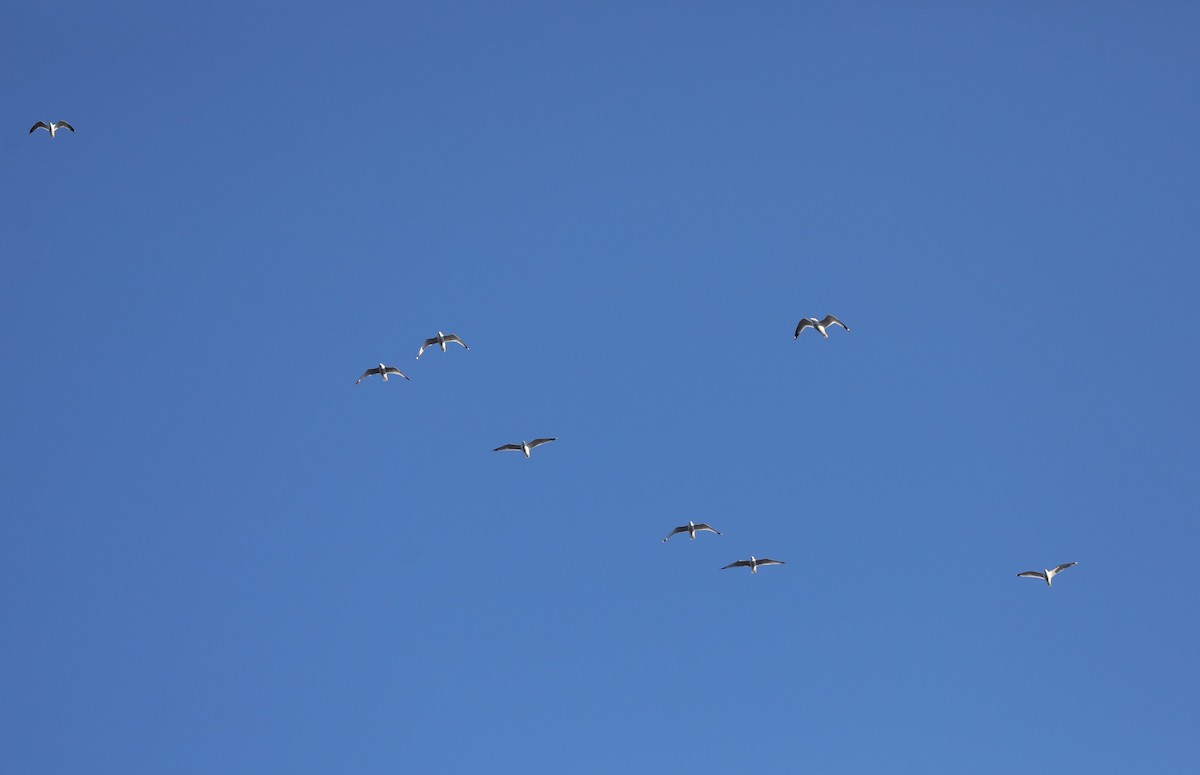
x: 52, y: 127
x: 441, y: 339
x: 525, y: 446
x: 691, y: 528
x: 1046, y: 575
x: 753, y: 563
x: 820, y: 325
x: 382, y: 371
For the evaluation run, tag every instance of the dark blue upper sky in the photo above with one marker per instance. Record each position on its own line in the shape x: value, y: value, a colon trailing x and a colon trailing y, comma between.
x: 219, y: 555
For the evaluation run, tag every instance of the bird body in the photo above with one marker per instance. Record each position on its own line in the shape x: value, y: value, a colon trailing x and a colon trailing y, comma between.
x: 382, y: 371
x: 753, y: 563
x: 441, y: 340
x: 524, y: 446
x: 52, y: 127
x: 691, y: 528
x: 820, y: 325
x: 1046, y: 575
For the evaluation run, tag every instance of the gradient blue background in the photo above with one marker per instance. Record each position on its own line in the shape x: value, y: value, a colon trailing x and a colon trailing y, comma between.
x: 218, y: 555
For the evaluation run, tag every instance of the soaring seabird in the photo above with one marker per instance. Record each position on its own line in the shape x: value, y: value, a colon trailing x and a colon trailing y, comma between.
x: 820, y: 325
x: 753, y: 563
x: 52, y: 127
x: 691, y: 528
x: 1046, y: 575
x: 525, y: 446
x: 441, y: 339
x: 382, y: 371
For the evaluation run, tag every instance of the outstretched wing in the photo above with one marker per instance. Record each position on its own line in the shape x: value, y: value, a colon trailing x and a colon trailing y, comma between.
x: 831, y: 319
x: 454, y: 338
x: 427, y: 343
x: 703, y: 526
x: 804, y: 323
x: 1032, y: 574
x: 738, y: 564
x: 1063, y: 567
x: 539, y: 442
x: 771, y: 562
x: 62, y: 124
x: 39, y: 125
x: 394, y: 370
x: 680, y: 529
x: 367, y: 373
x: 517, y: 447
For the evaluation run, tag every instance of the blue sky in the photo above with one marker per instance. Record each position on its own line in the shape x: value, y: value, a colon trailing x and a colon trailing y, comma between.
x: 219, y: 555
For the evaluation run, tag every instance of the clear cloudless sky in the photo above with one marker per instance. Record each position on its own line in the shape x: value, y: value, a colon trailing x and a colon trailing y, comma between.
x: 218, y: 555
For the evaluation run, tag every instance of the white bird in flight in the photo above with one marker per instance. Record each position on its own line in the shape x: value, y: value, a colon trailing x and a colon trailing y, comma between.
x: 820, y: 325
x: 382, y: 371
x: 691, y: 528
x: 525, y: 446
x: 1046, y: 575
x: 441, y: 339
x: 52, y: 127
x: 753, y: 563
